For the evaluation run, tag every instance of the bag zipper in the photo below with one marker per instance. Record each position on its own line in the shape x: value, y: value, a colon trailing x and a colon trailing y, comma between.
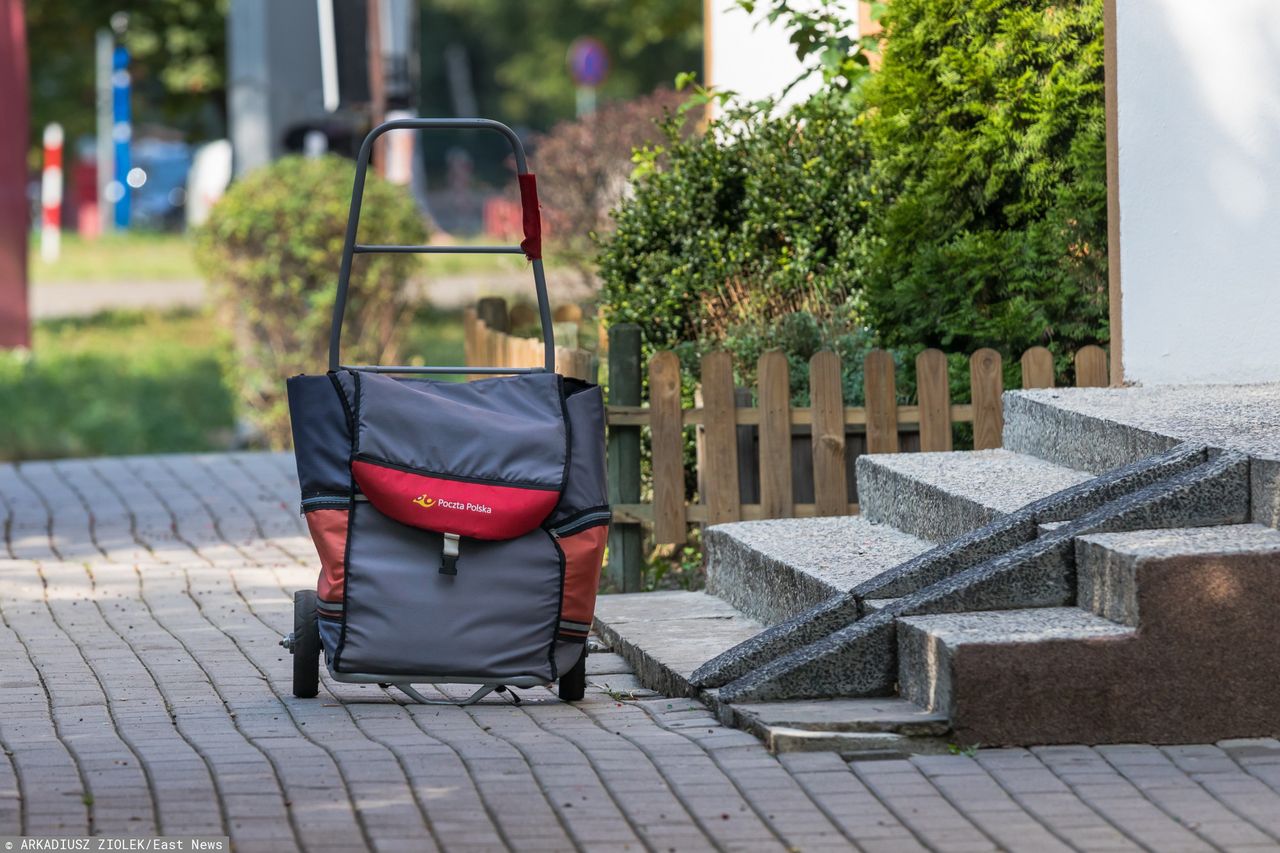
x: 327, y: 501
x: 582, y: 522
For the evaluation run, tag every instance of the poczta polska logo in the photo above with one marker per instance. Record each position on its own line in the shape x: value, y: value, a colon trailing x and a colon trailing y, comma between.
x: 466, y: 506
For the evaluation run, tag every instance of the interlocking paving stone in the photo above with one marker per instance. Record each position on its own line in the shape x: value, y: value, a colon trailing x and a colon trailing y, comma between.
x: 140, y: 604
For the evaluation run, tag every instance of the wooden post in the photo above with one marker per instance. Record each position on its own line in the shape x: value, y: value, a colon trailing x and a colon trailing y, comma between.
x: 882, y: 402
x: 377, y: 82
x: 830, y: 488
x: 567, y: 313
x: 747, y: 437
x: 1091, y: 367
x: 625, y: 539
x: 481, y: 347
x: 934, y: 390
x: 1037, y: 368
x: 720, y: 440
x: 986, y: 378
x: 523, y: 315
x: 493, y: 310
x: 469, y: 337
x: 775, y: 435
x: 666, y: 431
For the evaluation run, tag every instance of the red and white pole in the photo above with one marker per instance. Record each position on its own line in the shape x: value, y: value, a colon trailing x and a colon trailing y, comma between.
x: 51, y: 194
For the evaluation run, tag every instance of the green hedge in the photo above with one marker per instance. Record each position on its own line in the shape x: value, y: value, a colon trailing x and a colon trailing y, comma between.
x: 987, y: 129
x: 955, y: 198
x: 727, y: 233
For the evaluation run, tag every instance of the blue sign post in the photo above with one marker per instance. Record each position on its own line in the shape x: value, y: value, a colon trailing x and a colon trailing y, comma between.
x: 121, y: 134
x: 588, y: 62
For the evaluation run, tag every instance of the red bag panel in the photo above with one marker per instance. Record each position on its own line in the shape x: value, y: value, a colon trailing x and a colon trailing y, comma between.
x: 583, y: 557
x: 476, y: 510
x: 329, y: 533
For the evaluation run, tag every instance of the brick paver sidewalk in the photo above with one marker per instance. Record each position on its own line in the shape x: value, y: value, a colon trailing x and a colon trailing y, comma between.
x: 142, y: 691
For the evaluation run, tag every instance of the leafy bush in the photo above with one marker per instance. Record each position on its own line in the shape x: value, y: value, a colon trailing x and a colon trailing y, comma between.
x: 733, y: 229
x: 271, y: 249
x: 955, y: 198
x: 583, y: 166
x: 988, y: 137
x: 800, y: 336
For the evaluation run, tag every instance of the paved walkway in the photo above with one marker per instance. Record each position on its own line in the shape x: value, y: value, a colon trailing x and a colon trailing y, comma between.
x: 142, y: 691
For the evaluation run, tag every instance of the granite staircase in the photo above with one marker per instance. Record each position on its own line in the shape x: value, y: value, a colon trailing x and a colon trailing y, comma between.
x: 1096, y: 581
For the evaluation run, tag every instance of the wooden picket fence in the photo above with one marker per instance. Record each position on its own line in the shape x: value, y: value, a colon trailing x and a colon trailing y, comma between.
x: 754, y: 459
x: 487, y: 341
x: 883, y: 424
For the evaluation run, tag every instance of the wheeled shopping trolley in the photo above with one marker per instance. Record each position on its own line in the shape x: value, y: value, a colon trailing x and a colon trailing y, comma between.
x: 460, y: 526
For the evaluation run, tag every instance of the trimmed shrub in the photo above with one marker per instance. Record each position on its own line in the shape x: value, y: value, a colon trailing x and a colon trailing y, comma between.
x: 729, y: 231
x: 271, y: 250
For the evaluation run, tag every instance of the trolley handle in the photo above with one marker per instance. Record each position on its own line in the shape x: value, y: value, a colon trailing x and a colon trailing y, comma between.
x: 530, y: 246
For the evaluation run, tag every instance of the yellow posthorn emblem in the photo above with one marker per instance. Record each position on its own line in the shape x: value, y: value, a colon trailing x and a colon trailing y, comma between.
x: 424, y: 501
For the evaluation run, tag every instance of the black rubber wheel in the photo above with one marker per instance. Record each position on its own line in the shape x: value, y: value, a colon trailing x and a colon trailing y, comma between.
x: 306, y: 645
x: 573, y: 684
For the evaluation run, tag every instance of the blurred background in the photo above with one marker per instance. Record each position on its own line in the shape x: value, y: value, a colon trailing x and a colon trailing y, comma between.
x: 142, y: 114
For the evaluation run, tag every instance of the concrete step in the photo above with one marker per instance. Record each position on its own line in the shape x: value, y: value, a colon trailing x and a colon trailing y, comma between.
x: 665, y: 636
x: 1116, y: 572
x: 773, y: 570
x: 657, y: 638
x: 1195, y: 660
x: 860, y: 658
x: 930, y: 647
x: 1179, y: 488
x: 1094, y: 429
x: 856, y: 728
x: 939, y: 496
x: 1066, y: 427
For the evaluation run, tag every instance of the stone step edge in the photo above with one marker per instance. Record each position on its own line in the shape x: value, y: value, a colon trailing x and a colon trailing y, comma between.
x: 858, y: 738
x: 861, y: 658
x: 940, y: 496
x: 648, y: 670
x: 1110, y: 566
x: 942, y: 562
x: 776, y: 569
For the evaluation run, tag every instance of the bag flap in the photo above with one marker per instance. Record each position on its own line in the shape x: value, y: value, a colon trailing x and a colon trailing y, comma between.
x: 484, y: 459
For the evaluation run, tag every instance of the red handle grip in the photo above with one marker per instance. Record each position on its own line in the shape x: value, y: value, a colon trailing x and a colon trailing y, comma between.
x: 532, y: 242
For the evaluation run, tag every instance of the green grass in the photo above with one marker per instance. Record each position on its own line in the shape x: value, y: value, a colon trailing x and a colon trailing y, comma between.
x: 151, y: 382
x: 114, y: 384
x: 142, y: 256
x: 126, y: 257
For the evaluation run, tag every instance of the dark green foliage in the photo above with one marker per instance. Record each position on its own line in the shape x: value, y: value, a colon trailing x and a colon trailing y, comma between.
x: 271, y: 249
x: 730, y: 231
x: 988, y: 132
x: 178, y: 52
x: 800, y: 336
x: 956, y: 198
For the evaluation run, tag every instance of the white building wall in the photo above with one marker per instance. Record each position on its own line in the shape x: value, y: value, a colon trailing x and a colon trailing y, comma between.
x: 756, y: 61
x: 1198, y: 101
